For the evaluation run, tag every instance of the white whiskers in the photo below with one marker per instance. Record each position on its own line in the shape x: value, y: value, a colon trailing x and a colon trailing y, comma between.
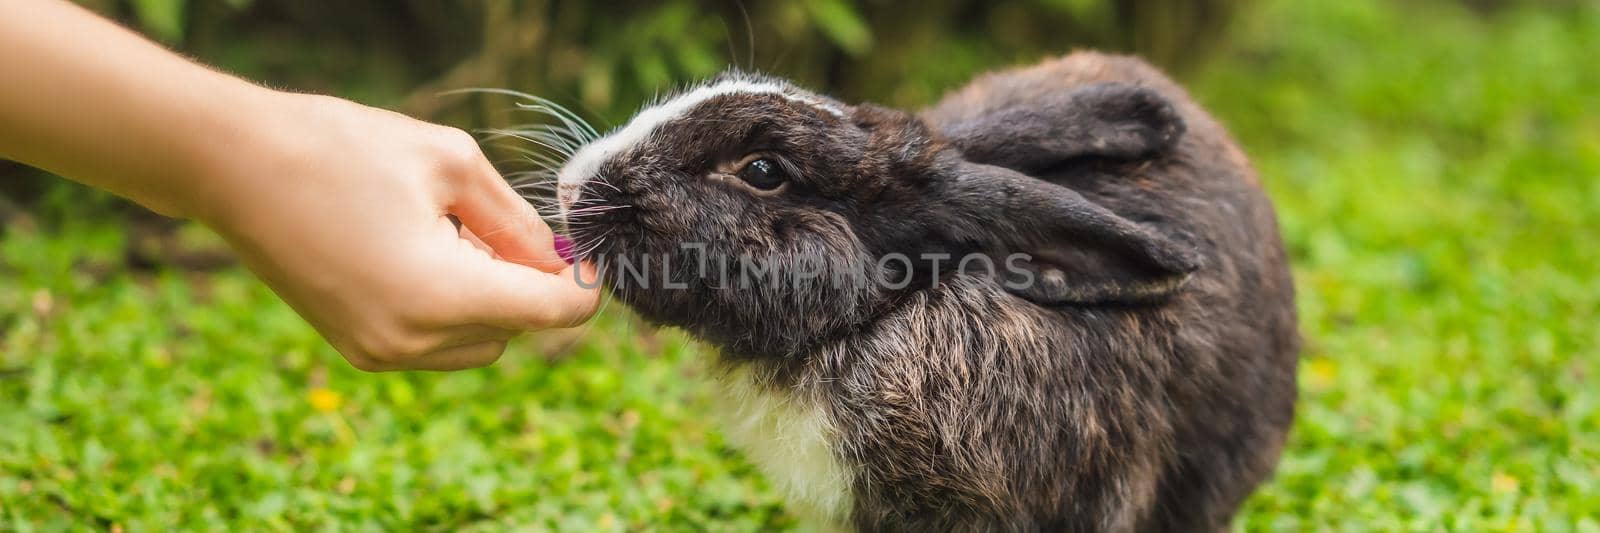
x: 546, y: 146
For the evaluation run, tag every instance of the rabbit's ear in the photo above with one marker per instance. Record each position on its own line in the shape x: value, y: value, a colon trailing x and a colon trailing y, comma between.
x: 1052, y: 246
x: 1107, y: 120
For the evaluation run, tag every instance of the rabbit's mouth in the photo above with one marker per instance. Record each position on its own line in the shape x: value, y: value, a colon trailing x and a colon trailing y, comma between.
x: 597, y: 215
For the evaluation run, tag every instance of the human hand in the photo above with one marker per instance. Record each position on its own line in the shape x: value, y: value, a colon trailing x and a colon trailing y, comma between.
x: 341, y: 209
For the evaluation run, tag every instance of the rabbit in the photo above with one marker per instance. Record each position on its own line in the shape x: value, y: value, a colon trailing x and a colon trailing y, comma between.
x: 1055, y: 300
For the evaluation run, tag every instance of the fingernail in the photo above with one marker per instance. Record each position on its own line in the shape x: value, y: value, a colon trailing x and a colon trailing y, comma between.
x: 564, y: 248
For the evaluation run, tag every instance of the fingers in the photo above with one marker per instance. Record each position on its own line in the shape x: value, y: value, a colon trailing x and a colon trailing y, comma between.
x: 468, y: 236
x: 472, y: 286
x: 508, y: 293
x: 512, y: 296
x: 491, y: 210
x: 467, y: 325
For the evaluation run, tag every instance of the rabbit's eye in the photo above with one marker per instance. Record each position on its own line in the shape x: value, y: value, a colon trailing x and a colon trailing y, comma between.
x: 763, y: 174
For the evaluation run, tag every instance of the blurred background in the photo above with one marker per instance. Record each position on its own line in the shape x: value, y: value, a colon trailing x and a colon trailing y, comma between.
x: 1436, y: 165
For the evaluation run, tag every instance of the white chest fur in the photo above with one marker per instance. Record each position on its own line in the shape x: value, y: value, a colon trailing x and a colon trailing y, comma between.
x: 790, y: 438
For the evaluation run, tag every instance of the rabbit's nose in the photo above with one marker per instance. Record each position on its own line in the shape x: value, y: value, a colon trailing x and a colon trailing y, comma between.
x: 567, y: 194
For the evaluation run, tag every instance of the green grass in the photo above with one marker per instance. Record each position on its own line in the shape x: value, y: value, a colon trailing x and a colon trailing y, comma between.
x: 1438, y: 177
x: 1437, y: 172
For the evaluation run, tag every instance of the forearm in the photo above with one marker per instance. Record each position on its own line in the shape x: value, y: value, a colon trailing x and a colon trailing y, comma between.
x: 341, y: 208
x: 98, y: 104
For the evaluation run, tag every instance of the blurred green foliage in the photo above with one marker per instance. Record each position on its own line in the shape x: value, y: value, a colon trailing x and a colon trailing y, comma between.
x: 609, y: 56
x: 1435, y: 165
x: 606, y: 58
x: 161, y: 19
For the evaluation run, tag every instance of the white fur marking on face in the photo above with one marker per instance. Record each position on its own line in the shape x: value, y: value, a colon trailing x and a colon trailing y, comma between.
x: 586, y: 163
x: 790, y: 438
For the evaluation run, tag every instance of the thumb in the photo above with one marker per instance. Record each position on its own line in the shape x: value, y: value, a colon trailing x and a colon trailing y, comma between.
x: 488, y: 207
x: 513, y: 296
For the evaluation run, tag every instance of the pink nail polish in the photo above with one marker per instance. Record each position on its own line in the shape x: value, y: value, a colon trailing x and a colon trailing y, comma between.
x: 564, y: 248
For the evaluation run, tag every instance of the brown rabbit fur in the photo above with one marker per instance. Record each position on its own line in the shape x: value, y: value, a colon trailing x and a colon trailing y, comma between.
x: 1144, y: 380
